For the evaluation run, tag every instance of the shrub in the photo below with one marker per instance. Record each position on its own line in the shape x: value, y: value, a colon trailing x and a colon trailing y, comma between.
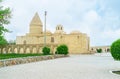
x: 115, y: 49
x: 99, y: 50
x: 62, y: 49
x: 46, y: 50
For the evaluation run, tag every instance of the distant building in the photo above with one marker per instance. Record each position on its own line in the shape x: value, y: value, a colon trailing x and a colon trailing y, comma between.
x: 76, y: 41
x: 103, y: 48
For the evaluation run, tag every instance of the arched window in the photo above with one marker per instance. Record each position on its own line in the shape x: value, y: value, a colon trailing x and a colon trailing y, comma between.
x: 52, y: 39
x: 24, y: 42
x: 61, y: 28
x: 108, y: 50
x: 92, y: 49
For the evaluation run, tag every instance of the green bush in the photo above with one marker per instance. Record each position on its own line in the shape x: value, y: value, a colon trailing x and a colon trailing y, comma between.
x: 99, y: 50
x: 46, y: 50
x: 62, y: 49
x: 115, y: 49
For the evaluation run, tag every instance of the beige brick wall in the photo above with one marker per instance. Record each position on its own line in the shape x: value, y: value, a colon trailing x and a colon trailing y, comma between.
x: 76, y: 41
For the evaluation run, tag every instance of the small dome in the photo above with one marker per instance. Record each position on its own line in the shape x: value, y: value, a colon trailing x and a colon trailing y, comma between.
x: 59, y: 25
x: 75, y: 32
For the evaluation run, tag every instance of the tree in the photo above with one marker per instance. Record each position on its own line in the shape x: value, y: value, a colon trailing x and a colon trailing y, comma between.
x: 3, y: 41
x: 5, y: 15
x: 62, y: 49
x: 46, y: 50
x: 115, y: 49
x: 99, y: 50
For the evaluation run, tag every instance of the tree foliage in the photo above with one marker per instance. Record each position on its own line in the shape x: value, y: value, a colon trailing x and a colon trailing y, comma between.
x: 46, y: 50
x: 62, y: 49
x: 3, y: 41
x: 115, y: 49
x: 5, y: 15
x: 99, y: 50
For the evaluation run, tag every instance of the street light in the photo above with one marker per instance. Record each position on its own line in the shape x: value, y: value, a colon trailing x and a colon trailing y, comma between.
x: 45, y: 29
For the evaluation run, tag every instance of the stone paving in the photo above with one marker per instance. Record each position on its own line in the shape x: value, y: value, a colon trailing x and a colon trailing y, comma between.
x: 96, y: 66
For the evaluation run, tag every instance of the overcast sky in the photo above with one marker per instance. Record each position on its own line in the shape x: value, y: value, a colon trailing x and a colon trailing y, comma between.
x: 100, y: 19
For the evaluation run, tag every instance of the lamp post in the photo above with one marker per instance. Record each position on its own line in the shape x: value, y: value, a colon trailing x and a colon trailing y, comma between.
x: 45, y: 30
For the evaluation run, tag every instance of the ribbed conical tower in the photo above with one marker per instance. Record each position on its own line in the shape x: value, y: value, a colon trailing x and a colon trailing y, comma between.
x: 36, y: 26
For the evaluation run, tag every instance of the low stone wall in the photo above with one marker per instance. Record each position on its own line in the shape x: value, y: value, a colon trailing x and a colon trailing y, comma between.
x: 23, y: 60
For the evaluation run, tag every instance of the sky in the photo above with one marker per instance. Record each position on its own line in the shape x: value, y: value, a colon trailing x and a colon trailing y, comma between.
x: 99, y: 19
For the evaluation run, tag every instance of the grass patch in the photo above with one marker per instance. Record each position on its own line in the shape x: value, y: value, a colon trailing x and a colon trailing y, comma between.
x: 116, y: 72
x: 13, y: 55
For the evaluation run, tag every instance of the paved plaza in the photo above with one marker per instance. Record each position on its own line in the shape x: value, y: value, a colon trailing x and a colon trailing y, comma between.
x: 96, y: 66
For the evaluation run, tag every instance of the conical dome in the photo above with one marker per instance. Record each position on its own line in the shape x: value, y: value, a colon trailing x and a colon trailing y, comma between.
x: 36, y: 20
x: 36, y: 26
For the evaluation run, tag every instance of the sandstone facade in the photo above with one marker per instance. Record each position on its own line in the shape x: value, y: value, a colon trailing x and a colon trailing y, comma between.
x: 76, y: 41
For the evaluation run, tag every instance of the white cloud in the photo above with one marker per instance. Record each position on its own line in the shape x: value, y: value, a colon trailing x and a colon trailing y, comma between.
x: 91, y: 17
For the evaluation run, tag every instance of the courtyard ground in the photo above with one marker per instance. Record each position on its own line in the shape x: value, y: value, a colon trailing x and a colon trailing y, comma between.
x: 98, y: 66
